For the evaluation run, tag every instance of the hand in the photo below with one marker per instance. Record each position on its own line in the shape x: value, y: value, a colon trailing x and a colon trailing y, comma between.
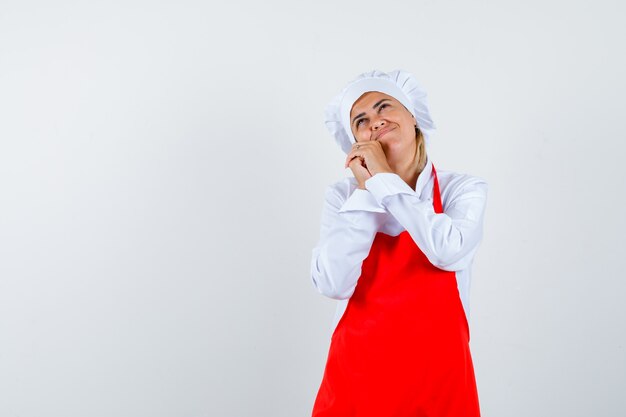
x: 360, y: 172
x: 367, y: 159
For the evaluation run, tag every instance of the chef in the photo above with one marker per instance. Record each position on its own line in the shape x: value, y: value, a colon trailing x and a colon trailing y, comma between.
x: 396, y: 246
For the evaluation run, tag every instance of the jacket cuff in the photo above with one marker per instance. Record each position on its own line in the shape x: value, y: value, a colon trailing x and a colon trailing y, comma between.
x: 386, y: 184
x: 361, y: 200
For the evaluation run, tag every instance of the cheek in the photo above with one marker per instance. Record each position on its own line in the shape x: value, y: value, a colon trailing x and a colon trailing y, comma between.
x: 408, y: 133
x: 408, y: 125
x: 362, y: 136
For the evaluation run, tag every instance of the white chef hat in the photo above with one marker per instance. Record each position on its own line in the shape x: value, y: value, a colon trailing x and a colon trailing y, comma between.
x: 398, y: 83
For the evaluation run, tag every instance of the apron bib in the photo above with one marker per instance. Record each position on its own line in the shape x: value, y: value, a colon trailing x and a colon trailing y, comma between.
x: 401, y: 347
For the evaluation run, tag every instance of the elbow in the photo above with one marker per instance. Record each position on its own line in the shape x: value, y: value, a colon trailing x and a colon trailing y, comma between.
x: 330, y: 285
x: 446, y: 266
x: 330, y: 289
x: 453, y: 260
x: 340, y: 294
x: 442, y: 261
x: 455, y: 251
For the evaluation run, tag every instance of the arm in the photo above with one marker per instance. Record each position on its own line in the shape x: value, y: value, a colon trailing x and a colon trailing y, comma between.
x: 348, y: 228
x: 450, y: 239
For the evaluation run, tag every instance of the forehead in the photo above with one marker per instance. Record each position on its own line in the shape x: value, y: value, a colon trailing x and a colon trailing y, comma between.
x: 367, y: 100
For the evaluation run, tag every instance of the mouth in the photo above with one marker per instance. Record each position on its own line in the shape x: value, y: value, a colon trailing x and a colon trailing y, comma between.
x: 383, y: 132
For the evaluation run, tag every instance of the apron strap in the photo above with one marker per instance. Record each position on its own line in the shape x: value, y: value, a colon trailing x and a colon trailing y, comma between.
x: 436, y: 194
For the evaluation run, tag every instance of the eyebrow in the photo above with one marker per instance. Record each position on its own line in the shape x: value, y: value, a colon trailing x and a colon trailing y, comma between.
x: 374, y: 107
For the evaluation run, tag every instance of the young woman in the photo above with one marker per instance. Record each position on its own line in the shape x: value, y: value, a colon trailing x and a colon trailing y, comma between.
x: 396, y: 247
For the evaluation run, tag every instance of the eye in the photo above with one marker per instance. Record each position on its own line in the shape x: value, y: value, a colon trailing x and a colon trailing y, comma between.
x: 358, y: 122
x: 382, y: 106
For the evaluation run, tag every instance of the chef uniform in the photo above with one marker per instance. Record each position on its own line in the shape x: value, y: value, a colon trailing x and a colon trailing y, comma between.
x: 399, y: 261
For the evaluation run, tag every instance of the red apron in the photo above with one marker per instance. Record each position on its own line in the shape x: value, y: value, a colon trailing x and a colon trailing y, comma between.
x: 401, y: 347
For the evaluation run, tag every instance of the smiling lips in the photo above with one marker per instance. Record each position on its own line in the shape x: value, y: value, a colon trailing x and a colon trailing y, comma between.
x: 382, y: 132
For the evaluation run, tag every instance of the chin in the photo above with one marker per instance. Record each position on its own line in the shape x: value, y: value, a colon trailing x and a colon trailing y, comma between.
x: 390, y: 142
x: 395, y: 147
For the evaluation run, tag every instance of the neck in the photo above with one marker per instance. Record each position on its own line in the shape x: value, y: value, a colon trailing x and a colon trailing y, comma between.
x: 410, y: 170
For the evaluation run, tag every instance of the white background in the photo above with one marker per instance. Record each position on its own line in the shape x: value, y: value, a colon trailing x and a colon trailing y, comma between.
x: 162, y: 171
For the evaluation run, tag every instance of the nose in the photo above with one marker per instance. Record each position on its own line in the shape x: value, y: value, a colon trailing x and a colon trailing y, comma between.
x: 378, y: 123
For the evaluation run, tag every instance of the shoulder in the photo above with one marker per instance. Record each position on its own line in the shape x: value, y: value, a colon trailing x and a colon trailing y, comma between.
x: 462, y: 193
x: 455, y: 182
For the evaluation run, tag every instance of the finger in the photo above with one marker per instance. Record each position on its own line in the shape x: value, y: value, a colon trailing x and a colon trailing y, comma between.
x: 360, y: 173
x: 352, y: 161
x: 354, y: 153
x: 359, y: 170
x: 357, y: 163
x: 351, y: 156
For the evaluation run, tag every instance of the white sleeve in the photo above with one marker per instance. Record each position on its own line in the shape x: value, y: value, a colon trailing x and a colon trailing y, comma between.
x: 450, y: 239
x: 348, y: 228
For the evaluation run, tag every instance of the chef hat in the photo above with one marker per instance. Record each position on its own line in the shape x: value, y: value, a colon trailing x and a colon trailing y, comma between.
x: 399, y: 84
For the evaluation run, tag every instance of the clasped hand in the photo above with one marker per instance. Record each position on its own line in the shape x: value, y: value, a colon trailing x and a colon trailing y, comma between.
x: 367, y: 159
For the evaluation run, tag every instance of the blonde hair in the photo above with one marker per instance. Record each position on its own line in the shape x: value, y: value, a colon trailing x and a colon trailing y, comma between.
x: 421, y: 148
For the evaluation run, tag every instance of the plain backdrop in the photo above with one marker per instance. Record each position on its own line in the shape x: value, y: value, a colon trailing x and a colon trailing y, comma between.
x: 162, y: 174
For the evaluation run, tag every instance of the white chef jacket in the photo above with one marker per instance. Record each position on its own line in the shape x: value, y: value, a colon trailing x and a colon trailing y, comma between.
x: 351, y: 217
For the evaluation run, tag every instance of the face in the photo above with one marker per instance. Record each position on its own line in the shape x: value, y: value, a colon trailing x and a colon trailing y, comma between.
x: 378, y: 116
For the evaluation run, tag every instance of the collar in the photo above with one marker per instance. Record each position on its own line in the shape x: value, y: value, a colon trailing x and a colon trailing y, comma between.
x: 423, y: 179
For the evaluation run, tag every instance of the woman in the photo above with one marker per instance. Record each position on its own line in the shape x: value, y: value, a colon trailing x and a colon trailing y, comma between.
x: 396, y: 246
